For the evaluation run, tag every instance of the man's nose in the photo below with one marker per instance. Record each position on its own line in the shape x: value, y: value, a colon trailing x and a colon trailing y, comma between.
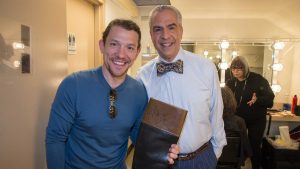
x: 122, y: 52
x: 166, y: 34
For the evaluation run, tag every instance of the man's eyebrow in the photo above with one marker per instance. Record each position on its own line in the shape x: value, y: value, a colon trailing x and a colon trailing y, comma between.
x: 118, y: 42
x: 157, y: 26
x: 172, y: 24
x: 132, y: 45
x: 114, y: 40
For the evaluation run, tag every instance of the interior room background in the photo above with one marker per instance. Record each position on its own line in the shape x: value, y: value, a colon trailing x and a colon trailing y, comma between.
x: 26, y: 96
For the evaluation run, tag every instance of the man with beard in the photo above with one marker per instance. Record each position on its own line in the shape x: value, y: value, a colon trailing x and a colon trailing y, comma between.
x: 95, y: 111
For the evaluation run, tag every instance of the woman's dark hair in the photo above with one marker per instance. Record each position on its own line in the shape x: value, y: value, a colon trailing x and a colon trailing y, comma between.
x: 126, y: 24
x: 228, y: 101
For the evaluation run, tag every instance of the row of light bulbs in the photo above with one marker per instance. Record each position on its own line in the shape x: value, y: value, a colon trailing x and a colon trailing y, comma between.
x: 276, y: 67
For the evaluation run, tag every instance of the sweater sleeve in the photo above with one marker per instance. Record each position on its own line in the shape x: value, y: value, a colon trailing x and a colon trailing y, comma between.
x: 135, y: 129
x: 60, y: 122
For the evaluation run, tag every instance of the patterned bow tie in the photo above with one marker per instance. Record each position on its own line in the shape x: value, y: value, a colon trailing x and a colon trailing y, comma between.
x: 163, y: 67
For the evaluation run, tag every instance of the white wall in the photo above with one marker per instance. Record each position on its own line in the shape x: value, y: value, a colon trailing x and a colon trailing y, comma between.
x: 116, y: 9
x: 25, y: 100
x: 113, y: 11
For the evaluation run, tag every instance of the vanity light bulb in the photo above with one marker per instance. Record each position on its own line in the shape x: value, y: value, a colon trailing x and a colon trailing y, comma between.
x: 223, y: 65
x: 276, y: 88
x: 224, y: 44
x: 234, y: 53
x: 277, y: 67
x: 278, y: 45
x: 222, y: 84
x: 205, y: 53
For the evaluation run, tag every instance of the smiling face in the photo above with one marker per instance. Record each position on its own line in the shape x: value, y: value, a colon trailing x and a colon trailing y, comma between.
x: 166, y: 33
x: 119, y: 51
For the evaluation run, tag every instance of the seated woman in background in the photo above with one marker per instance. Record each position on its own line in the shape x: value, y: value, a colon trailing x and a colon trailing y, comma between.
x: 234, y: 124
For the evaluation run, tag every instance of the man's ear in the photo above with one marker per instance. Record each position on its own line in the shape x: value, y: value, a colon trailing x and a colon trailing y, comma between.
x: 101, y: 45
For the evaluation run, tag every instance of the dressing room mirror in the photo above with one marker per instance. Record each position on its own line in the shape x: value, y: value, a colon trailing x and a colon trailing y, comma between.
x: 259, y: 55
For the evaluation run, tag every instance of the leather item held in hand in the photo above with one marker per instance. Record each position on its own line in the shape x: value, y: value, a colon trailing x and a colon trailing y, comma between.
x: 160, y: 128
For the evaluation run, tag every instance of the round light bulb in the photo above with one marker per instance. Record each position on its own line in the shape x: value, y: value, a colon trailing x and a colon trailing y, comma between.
x: 276, y: 88
x: 277, y: 67
x: 278, y: 45
x: 234, y: 53
x: 224, y: 44
x: 222, y: 84
x: 223, y: 65
x: 205, y: 52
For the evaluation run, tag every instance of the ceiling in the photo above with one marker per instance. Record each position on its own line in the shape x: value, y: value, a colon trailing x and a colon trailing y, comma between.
x: 241, y: 18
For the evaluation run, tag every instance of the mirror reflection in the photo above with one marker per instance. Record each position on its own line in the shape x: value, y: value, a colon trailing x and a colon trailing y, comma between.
x: 263, y: 58
x: 259, y: 55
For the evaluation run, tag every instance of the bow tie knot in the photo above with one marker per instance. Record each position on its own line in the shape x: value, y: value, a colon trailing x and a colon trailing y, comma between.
x: 163, y: 67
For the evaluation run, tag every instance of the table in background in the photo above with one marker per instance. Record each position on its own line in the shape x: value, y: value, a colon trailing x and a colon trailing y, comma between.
x: 282, y: 119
